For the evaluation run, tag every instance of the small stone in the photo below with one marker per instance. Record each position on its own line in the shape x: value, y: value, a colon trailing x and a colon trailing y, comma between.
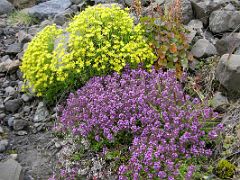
x: 96, y: 166
x: 21, y: 133
x: 26, y: 97
x: 10, y: 90
x: 203, y: 48
x: 13, y: 105
x: 41, y: 113
x: 5, y: 58
x: 219, y: 101
x: 23, y: 37
x: 3, y: 145
x: 1, y: 130
x: 14, y: 48
x: 19, y: 124
x: 9, y: 66
x: 10, y: 121
x: 14, y: 156
x: 195, y: 24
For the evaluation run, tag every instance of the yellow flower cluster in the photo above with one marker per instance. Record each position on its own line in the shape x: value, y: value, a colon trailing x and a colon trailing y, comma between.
x: 98, y: 41
x: 38, y: 60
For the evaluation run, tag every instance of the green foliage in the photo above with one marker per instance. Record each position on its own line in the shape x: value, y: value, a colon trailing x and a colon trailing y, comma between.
x: 21, y: 18
x: 167, y: 37
x: 98, y: 41
x: 225, y: 169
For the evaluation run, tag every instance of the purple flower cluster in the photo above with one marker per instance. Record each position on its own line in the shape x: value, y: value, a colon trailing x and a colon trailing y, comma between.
x: 167, y: 125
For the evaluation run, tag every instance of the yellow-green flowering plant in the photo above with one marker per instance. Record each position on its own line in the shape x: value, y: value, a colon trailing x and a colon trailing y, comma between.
x: 98, y: 41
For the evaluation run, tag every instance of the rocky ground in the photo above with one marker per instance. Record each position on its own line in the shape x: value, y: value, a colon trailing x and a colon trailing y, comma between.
x: 28, y: 147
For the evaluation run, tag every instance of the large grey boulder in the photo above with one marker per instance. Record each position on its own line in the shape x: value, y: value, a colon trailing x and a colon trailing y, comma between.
x: 49, y: 8
x: 222, y: 21
x: 5, y: 7
x: 11, y: 170
x: 228, y: 71
x: 203, y: 48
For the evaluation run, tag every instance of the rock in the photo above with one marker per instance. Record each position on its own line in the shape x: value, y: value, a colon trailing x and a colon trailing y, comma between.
x: 204, y: 8
x: 5, y: 58
x: 3, y: 147
x: 26, y: 97
x: 219, y: 101
x: 77, y: 1
x: 237, y: 51
x: 195, y: 24
x: 130, y: 2
x: 23, y: 37
x: 222, y: 21
x: 10, y: 121
x: 61, y: 18
x: 186, y: 10
x: 203, y: 48
x: 10, y: 91
x: 9, y: 66
x: 96, y: 166
x: 228, y: 72
x: 11, y: 170
x: 227, y: 43
x: 14, y: 48
x: 19, y: 124
x: 20, y: 4
x: 230, y: 7
x: 13, y: 105
x: 49, y: 8
x: 21, y: 133
x: 41, y: 113
x: 5, y: 7
x: 1, y: 130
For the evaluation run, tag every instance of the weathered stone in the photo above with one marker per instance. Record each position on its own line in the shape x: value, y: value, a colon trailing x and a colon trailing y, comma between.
x: 203, y: 48
x: 61, y: 18
x: 14, y: 48
x: 11, y: 170
x: 19, y: 124
x: 77, y: 1
x: 228, y: 43
x: 228, y: 72
x: 13, y: 105
x: 26, y: 97
x: 195, y: 24
x: 23, y: 3
x: 9, y: 66
x: 5, y: 7
x: 23, y: 37
x: 219, y: 102
x: 204, y: 8
x: 222, y: 21
x: 3, y: 146
x: 10, y: 91
x: 49, y: 8
x: 41, y: 113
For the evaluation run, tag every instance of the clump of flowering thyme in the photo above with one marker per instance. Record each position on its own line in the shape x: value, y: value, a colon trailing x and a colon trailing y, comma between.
x: 167, y: 125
